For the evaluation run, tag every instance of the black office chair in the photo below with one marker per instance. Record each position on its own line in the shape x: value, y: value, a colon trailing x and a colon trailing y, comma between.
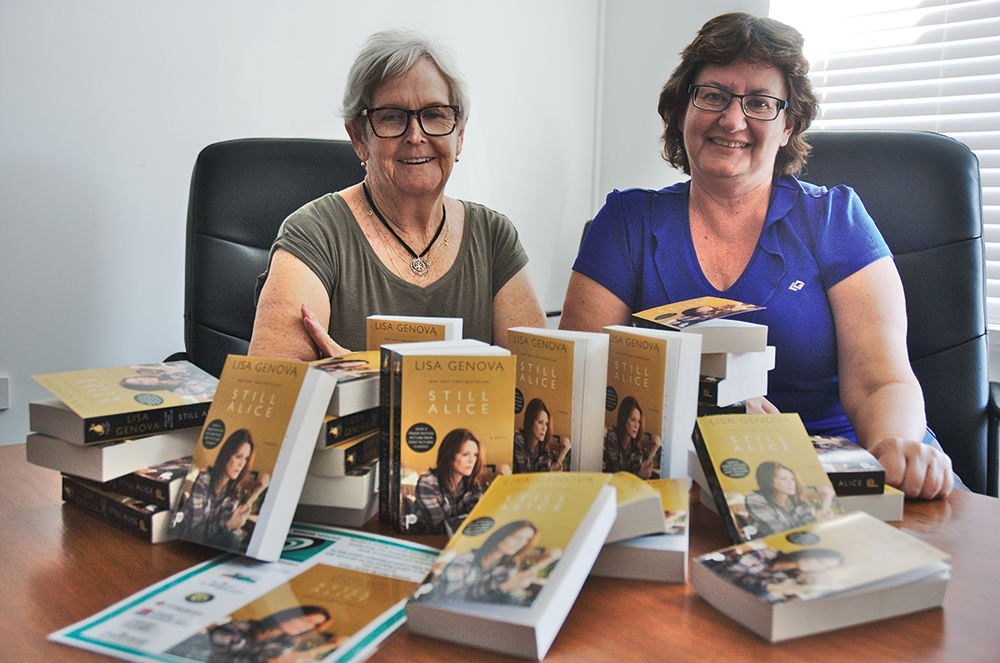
x: 241, y: 191
x: 923, y: 191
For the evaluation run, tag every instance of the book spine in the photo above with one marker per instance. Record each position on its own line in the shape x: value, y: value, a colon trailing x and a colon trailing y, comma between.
x: 158, y: 493
x: 351, y: 425
x: 708, y: 390
x: 384, y: 401
x: 725, y: 513
x: 396, y: 440
x: 361, y: 453
x: 857, y: 483
x: 133, y: 519
x: 129, y: 425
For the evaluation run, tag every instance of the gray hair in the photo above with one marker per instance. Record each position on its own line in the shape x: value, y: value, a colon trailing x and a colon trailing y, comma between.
x: 392, y: 53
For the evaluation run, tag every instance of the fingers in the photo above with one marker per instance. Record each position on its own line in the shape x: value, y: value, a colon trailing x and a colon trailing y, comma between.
x: 324, y: 343
x: 917, y: 469
x: 761, y: 405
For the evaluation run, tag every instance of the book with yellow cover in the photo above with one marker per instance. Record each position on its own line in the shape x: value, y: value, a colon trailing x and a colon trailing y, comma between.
x: 845, y: 570
x: 451, y: 434
x: 561, y: 381
x: 251, y: 460
x: 651, y: 401
x: 357, y: 382
x: 659, y: 557
x: 681, y: 315
x: 384, y: 329
x: 508, y: 578
x: 640, y: 508
x: 101, y: 405
x: 763, y: 473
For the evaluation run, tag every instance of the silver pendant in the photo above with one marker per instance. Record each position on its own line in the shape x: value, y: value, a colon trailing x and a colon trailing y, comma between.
x: 419, y: 266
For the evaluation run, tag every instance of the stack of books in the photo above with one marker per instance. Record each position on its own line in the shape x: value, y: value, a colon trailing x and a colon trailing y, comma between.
x: 110, y: 431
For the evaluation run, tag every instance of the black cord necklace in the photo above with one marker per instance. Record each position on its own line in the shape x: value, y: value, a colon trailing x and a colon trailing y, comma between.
x: 419, y: 264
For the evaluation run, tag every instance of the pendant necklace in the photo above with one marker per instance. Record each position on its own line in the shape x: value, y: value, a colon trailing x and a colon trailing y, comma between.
x: 419, y: 264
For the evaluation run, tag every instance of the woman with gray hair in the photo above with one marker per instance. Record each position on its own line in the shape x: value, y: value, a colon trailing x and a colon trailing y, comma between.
x: 394, y: 244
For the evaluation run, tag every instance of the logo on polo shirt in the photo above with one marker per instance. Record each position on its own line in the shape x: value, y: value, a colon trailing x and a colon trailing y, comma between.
x: 796, y: 286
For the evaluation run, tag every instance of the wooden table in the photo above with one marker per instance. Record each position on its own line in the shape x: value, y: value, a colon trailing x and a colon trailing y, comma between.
x: 61, y: 565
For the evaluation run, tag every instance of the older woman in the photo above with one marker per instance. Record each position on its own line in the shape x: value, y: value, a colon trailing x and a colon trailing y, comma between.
x: 394, y: 244
x: 744, y: 228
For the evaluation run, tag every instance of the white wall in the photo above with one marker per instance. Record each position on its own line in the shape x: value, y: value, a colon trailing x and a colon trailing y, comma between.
x: 104, y: 106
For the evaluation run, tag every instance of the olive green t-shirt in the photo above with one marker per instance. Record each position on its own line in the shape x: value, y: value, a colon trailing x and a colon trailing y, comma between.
x: 324, y: 235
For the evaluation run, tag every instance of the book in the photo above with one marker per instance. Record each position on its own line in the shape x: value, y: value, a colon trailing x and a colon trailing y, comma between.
x: 104, y: 462
x: 352, y: 490
x: 656, y: 557
x: 451, y: 422
x: 732, y: 364
x: 383, y: 329
x: 730, y: 336
x: 723, y: 392
x: 506, y: 581
x: 839, y: 572
x: 100, y: 405
x: 338, y: 516
x: 763, y: 473
x: 251, y: 459
x: 338, y: 429
x: 640, y: 508
x: 681, y: 315
x: 357, y: 382
x: 343, y: 457
x: 158, y: 484
x: 853, y: 470
x: 343, y: 592
x: 389, y: 362
x: 652, y: 386
x: 149, y: 522
x: 705, y: 410
x: 561, y: 378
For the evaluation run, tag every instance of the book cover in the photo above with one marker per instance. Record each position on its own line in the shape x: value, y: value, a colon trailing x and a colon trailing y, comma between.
x: 842, y: 571
x: 149, y: 522
x: 763, y: 473
x: 656, y: 557
x: 338, y: 429
x: 343, y: 457
x: 681, y: 315
x: 335, y: 595
x: 506, y: 581
x: 104, y: 462
x: 852, y: 469
x: 357, y: 382
x: 123, y: 402
x: 559, y: 399
x: 251, y: 460
x: 383, y: 329
x: 651, y: 401
x: 158, y: 484
x: 451, y: 435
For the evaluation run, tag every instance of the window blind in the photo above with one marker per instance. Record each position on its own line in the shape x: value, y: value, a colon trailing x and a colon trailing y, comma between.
x: 928, y: 65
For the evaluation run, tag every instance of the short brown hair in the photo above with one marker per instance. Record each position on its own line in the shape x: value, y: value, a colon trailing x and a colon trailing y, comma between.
x: 742, y: 37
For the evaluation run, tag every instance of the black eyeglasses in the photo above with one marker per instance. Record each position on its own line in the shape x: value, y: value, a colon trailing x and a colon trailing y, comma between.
x: 755, y: 106
x: 392, y: 122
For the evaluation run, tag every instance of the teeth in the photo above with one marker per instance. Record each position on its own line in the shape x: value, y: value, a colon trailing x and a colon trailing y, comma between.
x: 415, y: 161
x: 725, y: 143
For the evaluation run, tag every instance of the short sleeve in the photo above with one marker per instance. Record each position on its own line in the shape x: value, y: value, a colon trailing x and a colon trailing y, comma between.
x: 607, y: 251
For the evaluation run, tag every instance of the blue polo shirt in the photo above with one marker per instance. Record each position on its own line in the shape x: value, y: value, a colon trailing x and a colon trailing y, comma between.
x: 640, y: 248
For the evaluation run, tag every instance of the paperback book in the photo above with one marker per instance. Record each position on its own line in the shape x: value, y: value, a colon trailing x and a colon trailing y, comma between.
x: 651, y: 401
x: 852, y: 469
x: 149, y: 522
x: 104, y: 462
x: 125, y: 402
x: 559, y: 399
x: 846, y: 570
x: 506, y: 581
x: 383, y: 329
x: 345, y: 501
x: 681, y: 315
x: 158, y: 484
x: 731, y: 336
x: 723, y: 392
x: 657, y: 557
x: 763, y: 473
x: 357, y: 382
x: 337, y: 429
x: 335, y: 595
x: 732, y: 364
x: 450, y: 429
x: 640, y: 508
x: 344, y: 457
x: 251, y: 460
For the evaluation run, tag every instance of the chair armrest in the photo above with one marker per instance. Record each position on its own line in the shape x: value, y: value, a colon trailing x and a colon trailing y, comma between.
x: 993, y: 441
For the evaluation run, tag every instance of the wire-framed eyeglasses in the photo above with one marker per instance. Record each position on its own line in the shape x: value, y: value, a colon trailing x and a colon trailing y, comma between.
x: 389, y: 122
x: 755, y: 106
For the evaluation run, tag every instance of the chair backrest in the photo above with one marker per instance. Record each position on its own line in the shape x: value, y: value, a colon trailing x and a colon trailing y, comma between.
x: 923, y: 191
x: 241, y: 191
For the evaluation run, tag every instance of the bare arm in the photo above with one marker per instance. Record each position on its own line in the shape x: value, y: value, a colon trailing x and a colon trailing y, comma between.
x: 280, y: 328
x: 879, y: 392
x: 589, y: 306
x: 516, y: 305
